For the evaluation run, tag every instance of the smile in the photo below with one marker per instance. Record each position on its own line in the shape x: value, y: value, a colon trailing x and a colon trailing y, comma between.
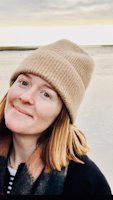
x: 22, y: 111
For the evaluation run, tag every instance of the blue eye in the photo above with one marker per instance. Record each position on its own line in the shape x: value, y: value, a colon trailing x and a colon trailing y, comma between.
x: 24, y: 83
x: 46, y: 94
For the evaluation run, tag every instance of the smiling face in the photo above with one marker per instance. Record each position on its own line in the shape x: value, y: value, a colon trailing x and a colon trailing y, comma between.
x: 32, y: 105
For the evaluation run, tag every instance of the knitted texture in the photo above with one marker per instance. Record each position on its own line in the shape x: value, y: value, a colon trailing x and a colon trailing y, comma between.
x: 65, y: 66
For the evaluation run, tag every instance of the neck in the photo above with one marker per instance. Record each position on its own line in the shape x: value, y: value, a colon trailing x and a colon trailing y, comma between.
x: 23, y: 147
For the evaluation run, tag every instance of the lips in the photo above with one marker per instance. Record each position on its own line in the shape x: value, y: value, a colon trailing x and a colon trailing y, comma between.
x: 22, y: 111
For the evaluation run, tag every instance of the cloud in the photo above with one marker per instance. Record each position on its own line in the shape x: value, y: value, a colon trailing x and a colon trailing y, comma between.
x: 55, y: 13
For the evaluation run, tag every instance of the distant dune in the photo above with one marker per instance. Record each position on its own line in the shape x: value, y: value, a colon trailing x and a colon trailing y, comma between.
x: 18, y: 48
x: 23, y: 48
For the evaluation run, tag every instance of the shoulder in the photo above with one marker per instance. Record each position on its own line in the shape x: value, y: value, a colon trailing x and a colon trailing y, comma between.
x: 85, y: 179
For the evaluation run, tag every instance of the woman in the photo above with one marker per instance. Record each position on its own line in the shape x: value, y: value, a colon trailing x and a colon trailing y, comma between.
x: 41, y: 150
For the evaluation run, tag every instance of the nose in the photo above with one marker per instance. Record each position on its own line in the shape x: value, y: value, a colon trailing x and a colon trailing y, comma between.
x: 28, y: 97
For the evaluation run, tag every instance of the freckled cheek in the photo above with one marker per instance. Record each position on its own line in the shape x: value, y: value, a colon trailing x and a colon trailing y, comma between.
x: 8, y: 100
x: 45, y: 113
x: 12, y: 95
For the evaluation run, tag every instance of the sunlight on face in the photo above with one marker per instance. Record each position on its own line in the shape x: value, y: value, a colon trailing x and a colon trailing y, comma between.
x: 32, y: 105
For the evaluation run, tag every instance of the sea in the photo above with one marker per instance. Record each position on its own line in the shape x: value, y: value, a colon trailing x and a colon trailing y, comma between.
x: 95, y: 115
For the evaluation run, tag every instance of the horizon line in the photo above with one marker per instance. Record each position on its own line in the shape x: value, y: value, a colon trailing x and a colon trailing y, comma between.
x: 5, y: 48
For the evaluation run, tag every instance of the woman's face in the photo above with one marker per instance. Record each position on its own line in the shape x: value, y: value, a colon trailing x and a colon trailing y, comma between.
x: 32, y: 105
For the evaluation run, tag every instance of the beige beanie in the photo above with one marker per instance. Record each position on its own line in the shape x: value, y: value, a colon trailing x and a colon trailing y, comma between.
x: 65, y: 66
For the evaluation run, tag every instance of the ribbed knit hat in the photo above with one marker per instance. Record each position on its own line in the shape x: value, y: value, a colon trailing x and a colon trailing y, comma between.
x: 65, y: 66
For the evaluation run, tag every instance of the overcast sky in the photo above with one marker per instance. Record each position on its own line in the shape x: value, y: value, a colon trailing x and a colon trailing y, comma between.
x: 55, y: 12
x: 25, y: 22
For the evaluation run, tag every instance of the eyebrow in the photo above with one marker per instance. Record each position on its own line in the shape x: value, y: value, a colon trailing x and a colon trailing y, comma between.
x: 27, y: 75
x: 45, y: 84
x: 48, y: 86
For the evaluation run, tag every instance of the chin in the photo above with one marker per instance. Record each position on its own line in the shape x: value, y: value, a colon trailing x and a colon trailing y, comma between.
x: 14, y: 127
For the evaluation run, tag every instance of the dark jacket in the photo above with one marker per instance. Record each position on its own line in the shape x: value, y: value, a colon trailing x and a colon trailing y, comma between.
x: 81, y: 179
x: 76, y: 179
x: 85, y: 179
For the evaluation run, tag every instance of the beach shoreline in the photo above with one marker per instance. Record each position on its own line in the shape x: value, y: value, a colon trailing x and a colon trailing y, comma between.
x: 18, y: 48
x: 23, y: 48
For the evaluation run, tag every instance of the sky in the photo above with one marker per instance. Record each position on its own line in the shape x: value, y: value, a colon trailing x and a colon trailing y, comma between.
x: 39, y: 22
